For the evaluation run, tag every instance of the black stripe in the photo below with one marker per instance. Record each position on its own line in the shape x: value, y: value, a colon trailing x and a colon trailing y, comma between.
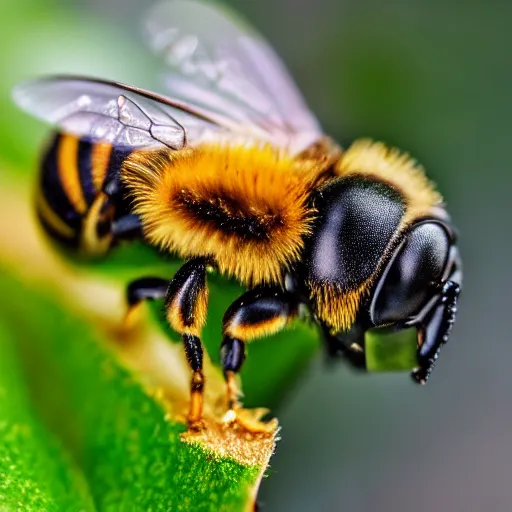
x: 85, y: 170
x: 72, y: 242
x: 117, y: 156
x: 229, y: 214
x: 112, y: 184
x: 51, y: 186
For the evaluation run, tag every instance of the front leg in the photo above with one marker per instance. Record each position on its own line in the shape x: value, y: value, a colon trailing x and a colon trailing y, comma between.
x: 257, y: 313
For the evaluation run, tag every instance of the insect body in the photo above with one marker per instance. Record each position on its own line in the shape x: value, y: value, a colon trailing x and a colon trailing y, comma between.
x: 232, y: 172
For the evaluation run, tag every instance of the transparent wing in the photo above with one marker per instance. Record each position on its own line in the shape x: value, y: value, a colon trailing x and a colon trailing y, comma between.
x: 219, y: 64
x: 115, y: 113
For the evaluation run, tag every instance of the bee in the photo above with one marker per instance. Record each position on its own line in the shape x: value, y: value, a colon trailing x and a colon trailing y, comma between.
x: 231, y: 171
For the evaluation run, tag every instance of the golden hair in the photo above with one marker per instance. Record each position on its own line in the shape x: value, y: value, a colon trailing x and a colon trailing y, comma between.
x: 244, y: 206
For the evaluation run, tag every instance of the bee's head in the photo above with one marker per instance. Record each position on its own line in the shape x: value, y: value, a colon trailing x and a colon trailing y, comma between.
x: 418, y: 287
x: 369, y: 264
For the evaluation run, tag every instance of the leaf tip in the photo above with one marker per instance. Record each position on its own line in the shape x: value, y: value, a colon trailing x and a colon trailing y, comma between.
x: 246, y: 439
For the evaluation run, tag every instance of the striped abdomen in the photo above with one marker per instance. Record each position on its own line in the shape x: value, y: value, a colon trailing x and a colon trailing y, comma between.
x: 73, y: 173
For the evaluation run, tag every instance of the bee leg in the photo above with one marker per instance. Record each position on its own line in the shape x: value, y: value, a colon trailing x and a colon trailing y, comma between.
x: 186, y: 298
x: 349, y: 345
x: 127, y: 227
x: 145, y: 288
x: 257, y: 313
x: 434, y: 331
x: 186, y: 302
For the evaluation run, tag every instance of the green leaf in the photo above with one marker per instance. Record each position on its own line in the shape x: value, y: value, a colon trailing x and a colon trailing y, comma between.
x: 125, y: 441
x: 35, y: 473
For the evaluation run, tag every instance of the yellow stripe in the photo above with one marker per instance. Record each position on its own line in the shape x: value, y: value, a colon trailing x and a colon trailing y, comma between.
x: 52, y: 219
x: 90, y: 243
x: 68, y: 172
x: 265, y: 328
x: 100, y: 160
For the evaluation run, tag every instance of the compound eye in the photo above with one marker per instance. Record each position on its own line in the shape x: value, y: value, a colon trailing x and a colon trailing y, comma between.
x: 411, y: 276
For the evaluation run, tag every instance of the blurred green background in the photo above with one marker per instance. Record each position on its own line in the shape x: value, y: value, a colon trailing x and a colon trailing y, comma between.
x: 433, y: 78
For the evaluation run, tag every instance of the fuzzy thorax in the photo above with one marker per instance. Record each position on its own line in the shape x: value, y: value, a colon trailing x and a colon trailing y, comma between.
x: 245, y: 207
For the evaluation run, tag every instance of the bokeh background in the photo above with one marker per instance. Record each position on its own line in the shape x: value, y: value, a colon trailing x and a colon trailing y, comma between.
x: 433, y: 78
